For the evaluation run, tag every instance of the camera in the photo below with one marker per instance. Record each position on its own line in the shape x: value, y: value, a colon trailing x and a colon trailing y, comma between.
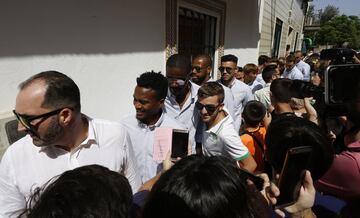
x: 341, y: 83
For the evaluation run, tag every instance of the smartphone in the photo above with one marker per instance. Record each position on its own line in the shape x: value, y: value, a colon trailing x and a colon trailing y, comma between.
x: 258, y: 181
x: 342, y: 82
x: 179, y: 143
x: 292, y: 175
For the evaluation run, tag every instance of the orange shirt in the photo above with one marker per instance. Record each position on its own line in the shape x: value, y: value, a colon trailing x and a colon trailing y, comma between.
x: 253, y: 147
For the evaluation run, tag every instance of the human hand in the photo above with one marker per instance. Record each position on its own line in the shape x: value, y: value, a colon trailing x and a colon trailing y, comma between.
x: 270, y: 190
x: 304, y: 202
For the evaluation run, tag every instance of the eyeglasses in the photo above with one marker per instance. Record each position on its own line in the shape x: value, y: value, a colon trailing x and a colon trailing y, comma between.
x: 227, y: 69
x: 25, y: 120
x: 197, y: 68
x: 178, y: 81
x: 208, y: 107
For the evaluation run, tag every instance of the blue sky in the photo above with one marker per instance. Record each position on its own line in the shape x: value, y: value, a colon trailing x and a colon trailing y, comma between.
x: 348, y: 7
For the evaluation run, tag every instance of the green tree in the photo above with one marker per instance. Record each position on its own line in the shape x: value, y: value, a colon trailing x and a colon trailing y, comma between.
x: 340, y: 30
x: 328, y: 13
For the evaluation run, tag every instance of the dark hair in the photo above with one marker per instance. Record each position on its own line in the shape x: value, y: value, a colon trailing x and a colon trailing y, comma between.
x: 211, y: 89
x: 254, y: 112
x: 179, y: 61
x: 240, y: 69
x: 88, y: 191
x: 154, y: 81
x: 263, y: 59
x: 280, y: 90
x: 199, y: 186
x: 268, y: 72
x: 205, y: 57
x: 290, y: 58
x: 61, y: 90
x: 291, y: 131
x: 229, y: 57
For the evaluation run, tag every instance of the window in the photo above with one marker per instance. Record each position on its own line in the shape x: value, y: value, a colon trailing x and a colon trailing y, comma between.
x: 277, y: 37
x: 197, y: 33
x: 194, y: 27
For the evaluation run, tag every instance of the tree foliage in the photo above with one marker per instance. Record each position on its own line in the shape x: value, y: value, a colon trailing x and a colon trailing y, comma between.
x: 339, y: 31
x: 328, y: 13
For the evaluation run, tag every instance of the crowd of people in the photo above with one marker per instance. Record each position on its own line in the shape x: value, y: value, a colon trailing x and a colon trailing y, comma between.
x: 243, y: 123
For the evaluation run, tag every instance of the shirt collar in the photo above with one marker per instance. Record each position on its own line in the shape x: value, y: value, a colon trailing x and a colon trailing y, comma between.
x: 217, y: 128
x: 91, y: 138
x: 193, y: 93
x: 152, y: 127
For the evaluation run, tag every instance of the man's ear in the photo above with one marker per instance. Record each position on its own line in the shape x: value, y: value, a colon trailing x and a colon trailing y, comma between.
x: 162, y: 102
x: 209, y: 69
x: 66, y: 116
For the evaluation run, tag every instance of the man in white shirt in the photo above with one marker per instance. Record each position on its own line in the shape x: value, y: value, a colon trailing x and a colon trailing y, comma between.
x: 220, y: 136
x: 182, y: 95
x: 149, y: 97
x: 241, y: 92
x: 262, y: 62
x: 250, y: 72
x: 201, y: 67
x: 291, y: 71
x: 60, y: 138
x: 302, y: 66
x: 269, y: 73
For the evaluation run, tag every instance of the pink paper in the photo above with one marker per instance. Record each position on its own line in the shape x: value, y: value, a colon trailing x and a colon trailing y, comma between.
x: 162, y: 143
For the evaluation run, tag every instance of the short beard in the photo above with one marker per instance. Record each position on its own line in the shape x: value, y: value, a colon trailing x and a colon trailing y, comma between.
x: 54, y: 132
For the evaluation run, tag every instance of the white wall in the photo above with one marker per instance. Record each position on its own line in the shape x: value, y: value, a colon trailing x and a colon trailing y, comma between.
x: 242, y: 30
x: 280, y: 9
x: 102, y: 45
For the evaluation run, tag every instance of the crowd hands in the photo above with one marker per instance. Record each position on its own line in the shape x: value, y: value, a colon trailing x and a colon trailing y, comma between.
x: 239, y: 126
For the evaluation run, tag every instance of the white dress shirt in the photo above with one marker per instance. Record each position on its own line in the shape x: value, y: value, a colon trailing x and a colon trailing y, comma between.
x: 305, y: 69
x: 263, y: 95
x: 294, y: 73
x: 223, y: 139
x: 255, y: 85
x: 188, y: 116
x: 142, y: 139
x: 229, y: 101
x: 25, y: 166
x: 259, y: 77
x: 242, y: 94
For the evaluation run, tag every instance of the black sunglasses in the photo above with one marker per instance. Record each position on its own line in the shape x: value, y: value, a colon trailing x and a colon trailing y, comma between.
x: 227, y: 69
x: 197, y: 68
x: 25, y: 120
x: 208, y: 107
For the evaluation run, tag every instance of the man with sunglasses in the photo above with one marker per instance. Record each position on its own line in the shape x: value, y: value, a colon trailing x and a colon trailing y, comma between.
x: 59, y: 138
x: 201, y: 68
x: 219, y: 135
x: 241, y: 92
x: 182, y: 95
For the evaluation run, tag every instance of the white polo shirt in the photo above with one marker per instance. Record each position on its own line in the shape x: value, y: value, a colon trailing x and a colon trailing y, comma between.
x: 242, y: 94
x: 222, y: 139
x: 142, y: 139
x: 25, y: 166
x: 188, y: 116
x: 294, y: 73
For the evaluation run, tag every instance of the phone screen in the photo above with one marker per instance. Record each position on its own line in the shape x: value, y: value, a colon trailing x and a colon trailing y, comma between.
x: 179, y: 143
x: 292, y: 175
x: 342, y: 82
